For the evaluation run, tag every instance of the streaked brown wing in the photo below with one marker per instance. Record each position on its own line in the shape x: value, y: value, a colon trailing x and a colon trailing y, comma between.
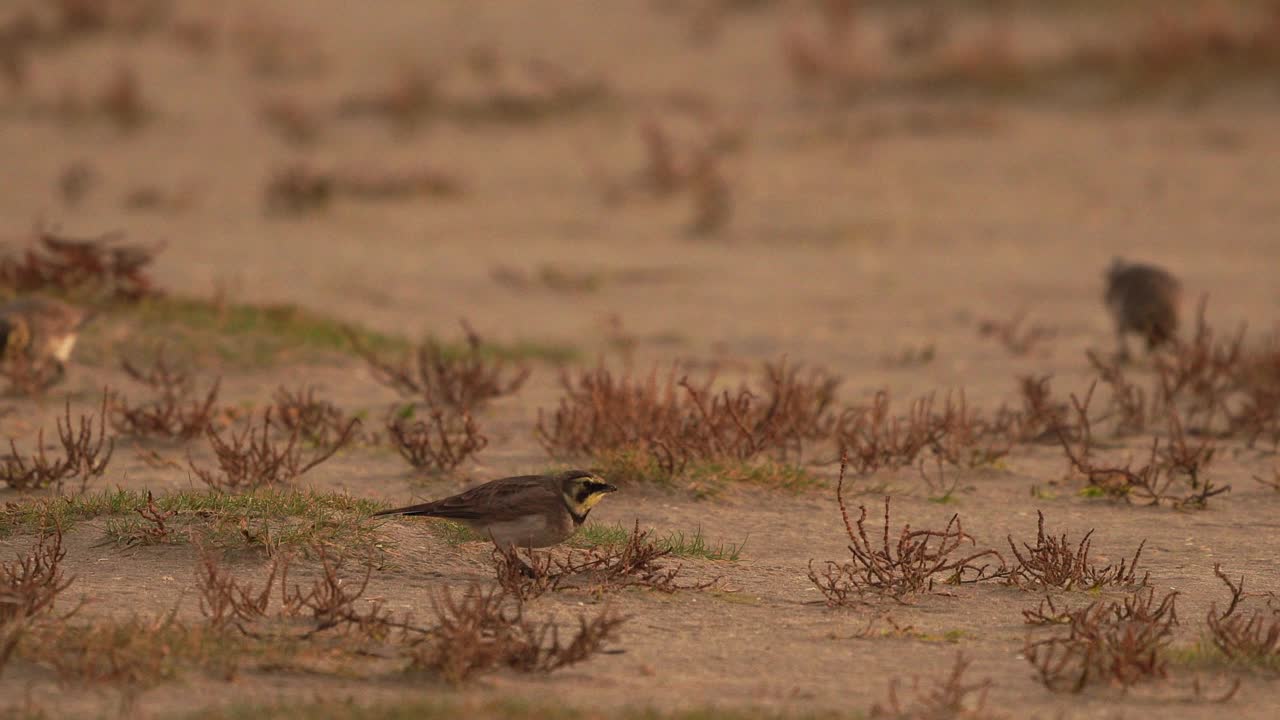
x: 498, y: 500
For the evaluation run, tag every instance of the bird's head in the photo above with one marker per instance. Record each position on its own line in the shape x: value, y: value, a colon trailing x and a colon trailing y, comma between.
x: 14, y: 336
x: 583, y: 489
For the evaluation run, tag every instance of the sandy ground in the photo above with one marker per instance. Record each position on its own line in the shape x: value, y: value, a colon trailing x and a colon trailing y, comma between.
x: 856, y: 236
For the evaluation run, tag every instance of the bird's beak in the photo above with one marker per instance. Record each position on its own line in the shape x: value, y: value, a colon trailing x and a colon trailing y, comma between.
x: 610, y: 488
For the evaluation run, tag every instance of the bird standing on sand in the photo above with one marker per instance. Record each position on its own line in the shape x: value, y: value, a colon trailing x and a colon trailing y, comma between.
x: 1143, y: 299
x: 529, y: 511
x: 40, y: 332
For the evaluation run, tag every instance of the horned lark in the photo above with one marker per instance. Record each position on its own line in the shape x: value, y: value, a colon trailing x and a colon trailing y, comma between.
x: 529, y: 511
x: 1143, y: 299
x: 39, y: 332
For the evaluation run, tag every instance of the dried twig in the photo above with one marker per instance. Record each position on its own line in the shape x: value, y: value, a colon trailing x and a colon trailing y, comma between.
x: 253, y: 459
x: 1052, y: 562
x: 85, y: 455
x: 441, y: 443
x: 902, y: 568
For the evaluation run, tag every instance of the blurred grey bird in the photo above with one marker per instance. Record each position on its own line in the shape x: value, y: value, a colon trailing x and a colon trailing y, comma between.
x: 528, y: 511
x: 1145, y: 300
x: 39, y: 332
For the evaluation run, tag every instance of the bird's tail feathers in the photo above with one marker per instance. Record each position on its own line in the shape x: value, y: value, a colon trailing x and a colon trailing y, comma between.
x: 424, y: 509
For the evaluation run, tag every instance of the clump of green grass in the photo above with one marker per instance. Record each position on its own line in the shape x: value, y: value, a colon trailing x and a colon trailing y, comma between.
x: 452, y: 533
x: 234, y: 333
x: 245, y: 335
x: 676, y: 542
x: 593, y: 535
x: 697, y: 546
x: 703, y: 478
x: 269, y: 519
x: 1205, y: 654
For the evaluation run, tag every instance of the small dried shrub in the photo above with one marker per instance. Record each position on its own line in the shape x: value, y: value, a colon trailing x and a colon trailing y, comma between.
x: 1039, y: 418
x: 85, y: 455
x: 28, y: 588
x: 481, y: 630
x: 1129, y: 408
x: 101, y: 267
x: 298, y: 188
x: 1046, y: 613
x: 290, y: 119
x: 122, y: 101
x: 27, y: 376
x: 253, y: 458
x: 1272, y: 482
x: 224, y: 600
x: 1186, y: 459
x: 71, y: 18
x: 461, y: 381
x: 634, y: 563
x: 1216, y: 384
x: 155, y: 529
x: 600, y: 412
x: 964, y: 438
x: 673, y: 422
x: 952, y: 698
x: 439, y: 444
x: 1122, y: 643
x: 903, y: 568
x: 331, y: 600
x: 397, y: 183
x: 1156, y: 482
x: 941, y: 489
x: 872, y: 437
x: 408, y: 98
x: 530, y: 91
x: 712, y: 196
x: 317, y: 421
x: 1053, y: 563
x: 1253, y: 639
x: 33, y: 581
x: 175, y: 412
x: 1016, y: 338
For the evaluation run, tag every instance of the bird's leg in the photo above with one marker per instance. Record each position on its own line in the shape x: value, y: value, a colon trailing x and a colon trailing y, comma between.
x: 513, y: 553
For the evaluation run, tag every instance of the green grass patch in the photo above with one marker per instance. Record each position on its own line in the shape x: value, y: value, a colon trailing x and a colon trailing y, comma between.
x: 268, y: 519
x: 1096, y: 492
x: 243, y: 335
x: 453, y: 533
x: 593, y: 535
x: 697, y: 546
x: 1203, y: 654
x: 676, y: 542
x: 631, y: 465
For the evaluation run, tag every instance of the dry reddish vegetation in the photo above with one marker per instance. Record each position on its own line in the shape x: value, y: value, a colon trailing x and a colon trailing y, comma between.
x: 822, y: 254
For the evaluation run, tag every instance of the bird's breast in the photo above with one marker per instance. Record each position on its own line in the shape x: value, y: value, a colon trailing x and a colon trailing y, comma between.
x: 61, y: 347
x: 537, y: 530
